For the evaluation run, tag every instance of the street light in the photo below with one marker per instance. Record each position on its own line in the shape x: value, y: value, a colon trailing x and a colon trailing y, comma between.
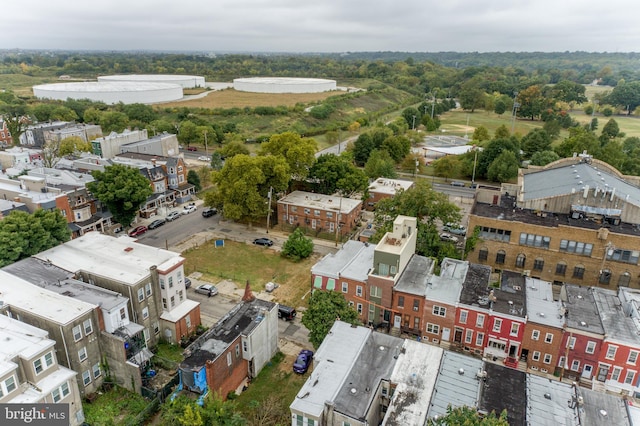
x: 475, y: 160
x: 413, y: 127
x: 514, y: 110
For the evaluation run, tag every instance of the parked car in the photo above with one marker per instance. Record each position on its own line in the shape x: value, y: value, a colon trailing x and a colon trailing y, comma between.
x: 189, y: 208
x: 192, y: 148
x: 456, y: 183
x: 187, y: 282
x: 448, y: 237
x: 204, y: 158
x: 209, y: 211
x: 303, y: 361
x: 157, y: 223
x: 208, y: 289
x: 137, y: 231
x: 263, y: 242
x: 286, y: 313
x: 173, y: 216
x: 454, y: 228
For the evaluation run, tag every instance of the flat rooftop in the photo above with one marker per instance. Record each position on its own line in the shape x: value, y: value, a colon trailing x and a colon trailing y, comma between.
x: 504, y: 388
x: 581, y: 310
x: 320, y: 201
x: 389, y: 186
x: 617, y: 325
x: 353, y: 260
x: 541, y: 307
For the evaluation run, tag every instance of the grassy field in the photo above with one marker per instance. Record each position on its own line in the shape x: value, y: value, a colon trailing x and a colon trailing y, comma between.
x: 230, y: 98
x: 241, y: 262
x: 118, y: 406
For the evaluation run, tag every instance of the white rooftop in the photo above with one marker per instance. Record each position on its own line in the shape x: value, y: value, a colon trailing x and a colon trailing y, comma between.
x: 20, y: 339
x: 331, y: 364
x: 389, y: 186
x: 320, y: 201
x: 541, y: 308
x: 415, y: 373
x: 120, y: 259
x: 39, y: 301
x: 353, y: 260
x: 448, y: 285
x: 547, y: 403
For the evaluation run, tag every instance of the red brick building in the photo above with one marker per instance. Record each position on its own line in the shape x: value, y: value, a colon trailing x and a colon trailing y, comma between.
x: 383, y: 188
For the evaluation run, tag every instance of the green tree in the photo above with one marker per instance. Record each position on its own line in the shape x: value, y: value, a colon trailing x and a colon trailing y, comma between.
x: 471, y: 95
x: 553, y: 128
x: 324, y: 308
x: 298, y: 152
x: 398, y: 147
x: 502, y: 132
x: 194, y: 179
x: 216, y: 160
x: 542, y: 158
x: 412, y: 116
x: 467, y: 416
x: 380, y: 164
x: 504, y: 167
x: 492, y: 150
x: 535, y: 141
x: 362, y: 148
x: 23, y: 234
x: 243, y: 184
x: 626, y: 95
x: 579, y: 140
x: 232, y: 149
x: 610, y: 131
x: 500, y: 107
x: 532, y: 102
x: 122, y: 190
x: 447, y: 167
x: 480, y: 134
x: 63, y: 113
x: 140, y: 112
x: 568, y: 91
x: 188, y: 133
x: 333, y: 172
x: 113, y: 121
x: 73, y: 145
x: 297, y: 246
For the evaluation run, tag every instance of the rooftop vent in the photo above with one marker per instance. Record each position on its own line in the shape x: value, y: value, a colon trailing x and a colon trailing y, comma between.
x: 381, y: 348
x: 582, y: 323
x: 547, y: 395
x: 542, y: 314
x: 353, y: 391
x: 461, y: 371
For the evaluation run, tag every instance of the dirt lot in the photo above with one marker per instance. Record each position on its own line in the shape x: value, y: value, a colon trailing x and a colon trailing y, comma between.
x: 230, y: 98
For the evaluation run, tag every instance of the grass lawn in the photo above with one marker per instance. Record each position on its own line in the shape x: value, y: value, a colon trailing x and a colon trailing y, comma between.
x: 115, y: 407
x: 241, y: 262
x: 230, y: 98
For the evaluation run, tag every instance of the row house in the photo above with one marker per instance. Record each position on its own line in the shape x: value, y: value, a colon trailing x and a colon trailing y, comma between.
x: 108, y: 147
x: 234, y: 350
x: 383, y: 188
x: 19, y: 158
x: 318, y: 213
x: 33, y: 135
x: 121, y: 342
x: 151, y: 278
x: 582, y: 230
x: 30, y: 372
x: 5, y: 135
x: 84, y: 131
x: 583, y: 337
x: 162, y: 145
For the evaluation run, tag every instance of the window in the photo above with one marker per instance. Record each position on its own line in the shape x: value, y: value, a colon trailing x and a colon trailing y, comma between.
x: 561, y: 268
x: 96, y: 370
x: 538, y: 264
x: 229, y: 359
x: 479, y: 339
x: 611, y: 352
x: 533, y: 240
x: 82, y: 354
x: 615, y: 374
x: 483, y: 254
x: 145, y: 312
x: 561, y: 362
x: 416, y: 323
x: 433, y: 328
x: 535, y: 335
x: 515, y: 327
x: 359, y: 290
x: 162, y: 283
x: 575, y: 365
x: 628, y: 380
x: 494, y: 234
x: 37, y: 366
x: 77, y: 333
x: 480, y: 321
x: 400, y: 301
x: 578, y: 271
x: 181, y: 295
x: 605, y: 277
x: 591, y: 347
x: 41, y: 364
x: 626, y: 256
x: 60, y: 392
x: 237, y: 350
x: 359, y: 308
x: 571, y: 343
x: 173, y: 301
x: 86, y: 377
x: 500, y: 257
x: 376, y: 291
x: 624, y: 280
x: 548, y: 337
x: 384, y: 269
x: 164, y: 302
x: 88, y: 327
x: 497, y: 325
x: 416, y: 304
x: 536, y: 356
x: 123, y: 313
x: 547, y: 358
x: 187, y: 321
x: 140, y: 294
x: 48, y: 359
x: 294, y: 209
x: 633, y: 357
x: 156, y: 327
x: 170, y: 282
x: 439, y: 310
x: 521, y: 260
x: 468, y: 338
x: 147, y: 289
x: 463, y: 317
x: 345, y: 287
x: 576, y: 247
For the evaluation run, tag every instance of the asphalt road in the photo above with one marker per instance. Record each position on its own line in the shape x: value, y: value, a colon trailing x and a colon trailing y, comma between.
x: 179, y: 230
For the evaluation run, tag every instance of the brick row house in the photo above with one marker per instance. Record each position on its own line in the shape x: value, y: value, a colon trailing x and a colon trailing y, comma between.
x: 383, y: 188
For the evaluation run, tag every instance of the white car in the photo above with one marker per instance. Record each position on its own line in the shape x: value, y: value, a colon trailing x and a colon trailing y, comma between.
x: 203, y: 158
x: 189, y: 208
x: 448, y: 238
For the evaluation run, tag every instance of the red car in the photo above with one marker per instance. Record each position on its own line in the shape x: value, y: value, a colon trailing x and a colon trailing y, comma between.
x: 192, y: 148
x: 137, y: 231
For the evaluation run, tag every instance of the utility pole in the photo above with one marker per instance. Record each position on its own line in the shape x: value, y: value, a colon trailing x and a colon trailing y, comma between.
x: 413, y: 127
x: 475, y: 160
x: 433, y: 105
x: 514, y: 111
x: 205, y: 143
x: 269, y: 207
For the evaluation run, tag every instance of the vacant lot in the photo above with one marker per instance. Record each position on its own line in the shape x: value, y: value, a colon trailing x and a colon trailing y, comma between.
x: 241, y: 262
x: 230, y: 98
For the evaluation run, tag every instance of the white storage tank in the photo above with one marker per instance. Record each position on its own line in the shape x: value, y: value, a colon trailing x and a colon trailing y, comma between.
x: 111, y: 92
x: 283, y: 85
x: 186, y: 81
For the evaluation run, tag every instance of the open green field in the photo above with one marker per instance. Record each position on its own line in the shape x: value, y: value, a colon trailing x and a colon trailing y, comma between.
x: 241, y: 262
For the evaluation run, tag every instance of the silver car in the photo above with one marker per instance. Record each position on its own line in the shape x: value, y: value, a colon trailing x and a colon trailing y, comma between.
x: 173, y: 216
x: 208, y: 289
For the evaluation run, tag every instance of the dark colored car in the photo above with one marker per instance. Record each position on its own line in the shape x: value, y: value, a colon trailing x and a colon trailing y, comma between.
x: 263, y: 242
x: 209, y: 211
x: 157, y: 223
x: 137, y: 231
x: 302, y: 363
x: 187, y: 282
x: 192, y: 148
x: 286, y: 313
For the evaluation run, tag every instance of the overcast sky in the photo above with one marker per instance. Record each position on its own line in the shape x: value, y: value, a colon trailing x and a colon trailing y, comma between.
x: 322, y: 25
